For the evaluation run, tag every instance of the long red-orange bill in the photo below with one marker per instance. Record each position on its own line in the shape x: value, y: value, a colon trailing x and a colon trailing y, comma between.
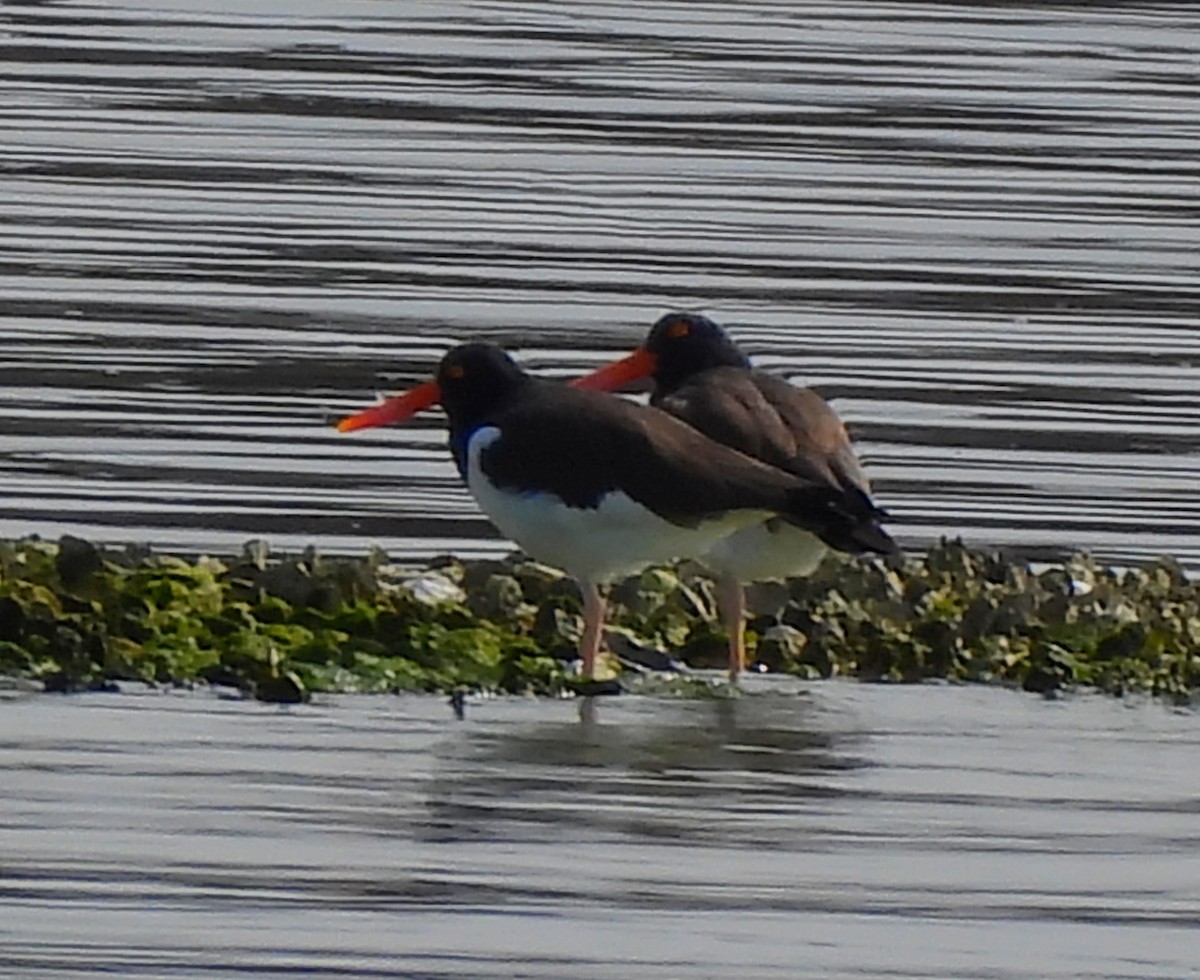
x: 637, y: 365
x: 395, y: 409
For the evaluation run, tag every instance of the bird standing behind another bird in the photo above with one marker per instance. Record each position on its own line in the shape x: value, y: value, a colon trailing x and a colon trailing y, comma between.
x: 702, y: 377
x: 596, y: 485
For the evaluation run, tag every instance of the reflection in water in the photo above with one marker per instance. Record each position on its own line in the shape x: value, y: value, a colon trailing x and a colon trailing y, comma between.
x: 846, y: 830
x: 645, y: 777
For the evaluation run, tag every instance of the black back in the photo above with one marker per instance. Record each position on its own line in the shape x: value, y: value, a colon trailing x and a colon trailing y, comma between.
x: 580, y: 445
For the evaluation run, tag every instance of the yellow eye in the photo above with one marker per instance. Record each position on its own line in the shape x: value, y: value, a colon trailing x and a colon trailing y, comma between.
x: 680, y: 328
x: 456, y: 372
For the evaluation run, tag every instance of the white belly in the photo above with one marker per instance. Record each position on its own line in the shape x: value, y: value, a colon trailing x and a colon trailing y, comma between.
x: 618, y: 538
x: 770, y: 550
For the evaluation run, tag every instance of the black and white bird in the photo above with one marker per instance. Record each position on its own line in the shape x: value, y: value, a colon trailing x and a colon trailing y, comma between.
x: 702, y: 377
x: 596, y: 485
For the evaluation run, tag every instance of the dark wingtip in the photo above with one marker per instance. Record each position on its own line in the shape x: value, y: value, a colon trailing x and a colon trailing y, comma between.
x: 846, y: 521
x: 871, y: 537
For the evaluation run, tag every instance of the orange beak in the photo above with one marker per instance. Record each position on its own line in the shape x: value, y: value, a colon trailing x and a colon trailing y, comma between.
x: 395, y: 409
x: 639, y: 364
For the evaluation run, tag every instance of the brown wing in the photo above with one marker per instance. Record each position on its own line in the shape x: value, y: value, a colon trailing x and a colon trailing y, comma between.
x: 764, y: 416
x: 795, y: 430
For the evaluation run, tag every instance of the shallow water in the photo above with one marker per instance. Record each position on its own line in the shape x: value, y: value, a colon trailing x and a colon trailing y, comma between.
x: 824, y: 830
x: 974, y: 227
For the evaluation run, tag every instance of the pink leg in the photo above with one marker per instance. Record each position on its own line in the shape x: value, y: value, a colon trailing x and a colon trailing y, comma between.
x: 593, y: 627
x: 731, y: 601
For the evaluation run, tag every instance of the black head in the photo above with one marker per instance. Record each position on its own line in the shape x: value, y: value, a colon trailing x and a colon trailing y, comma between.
x: 686, y: 343
x: 476, y: 380
x: 473, y: 381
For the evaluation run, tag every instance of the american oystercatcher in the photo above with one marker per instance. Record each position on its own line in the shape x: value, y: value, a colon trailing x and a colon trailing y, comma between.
x: 701, y: 376
x: 598, y: 486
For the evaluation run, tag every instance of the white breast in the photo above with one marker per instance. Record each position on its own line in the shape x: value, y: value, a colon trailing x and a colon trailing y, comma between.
x: 615, y: 539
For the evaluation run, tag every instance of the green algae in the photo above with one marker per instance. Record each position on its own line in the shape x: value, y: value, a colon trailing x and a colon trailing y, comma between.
x: 76, y: 616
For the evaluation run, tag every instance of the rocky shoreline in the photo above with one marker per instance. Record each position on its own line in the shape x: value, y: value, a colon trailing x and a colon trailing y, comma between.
x: 74, y: 616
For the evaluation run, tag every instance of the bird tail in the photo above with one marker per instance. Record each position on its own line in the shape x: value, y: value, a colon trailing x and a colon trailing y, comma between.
x: 846, y: 519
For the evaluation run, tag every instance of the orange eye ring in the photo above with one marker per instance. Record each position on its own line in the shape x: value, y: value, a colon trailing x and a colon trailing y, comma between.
x: 456, y: 372
x: 679, y: 328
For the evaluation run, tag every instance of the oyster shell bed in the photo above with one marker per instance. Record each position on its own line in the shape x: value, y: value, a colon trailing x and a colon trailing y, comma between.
x: 76, y: 616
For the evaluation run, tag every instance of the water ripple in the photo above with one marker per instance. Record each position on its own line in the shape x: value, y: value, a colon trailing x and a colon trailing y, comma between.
x: 973, y: 228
